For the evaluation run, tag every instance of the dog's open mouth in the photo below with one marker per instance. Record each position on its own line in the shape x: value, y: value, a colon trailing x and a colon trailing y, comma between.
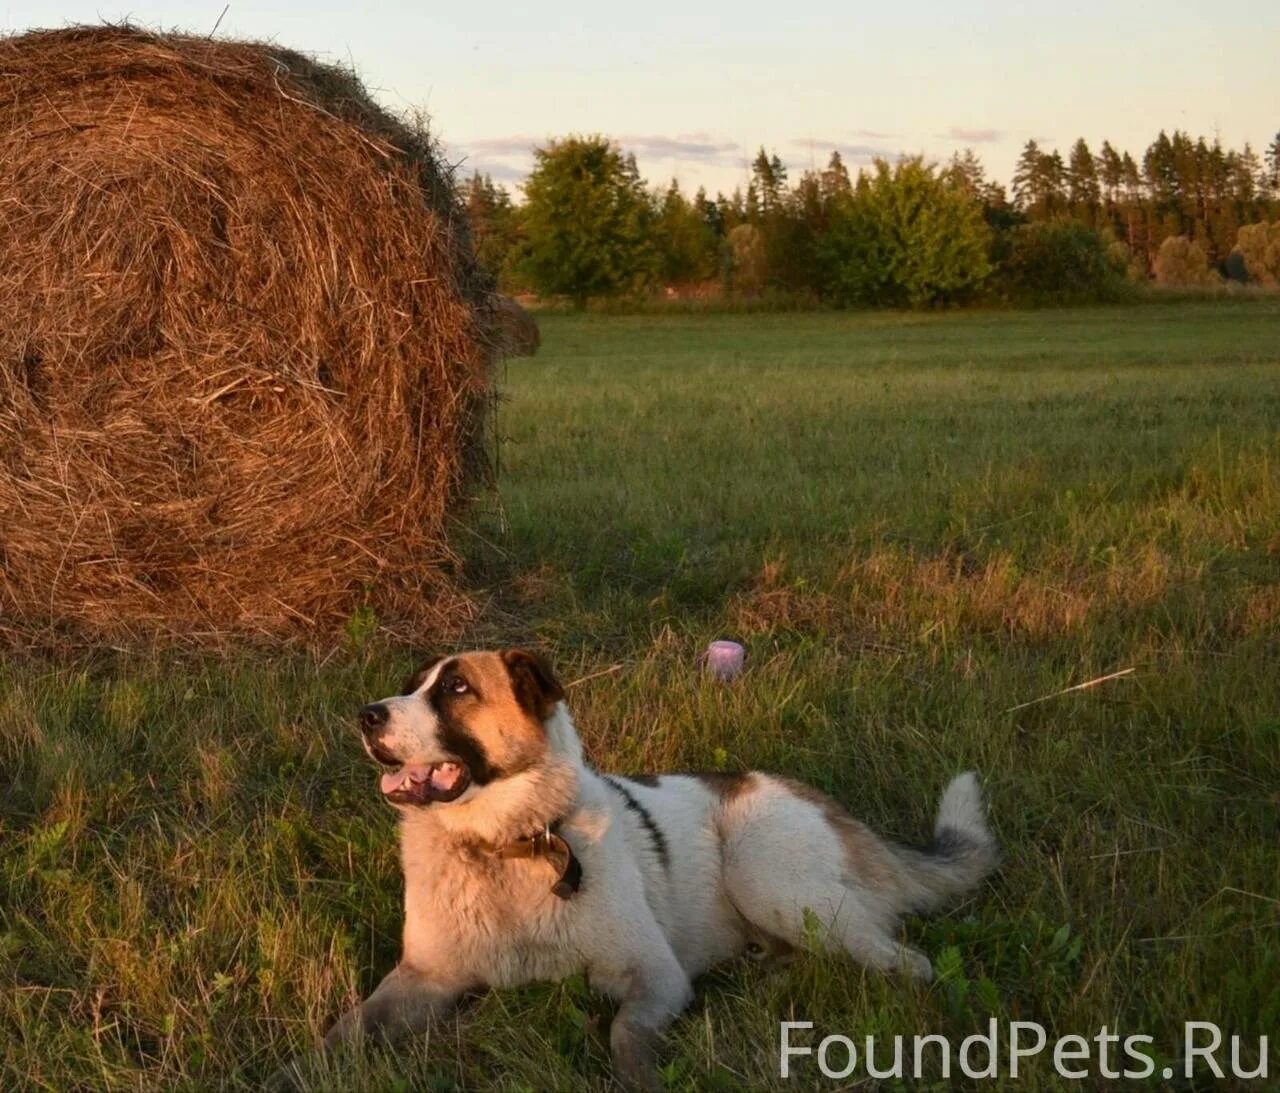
x: 416, y: 784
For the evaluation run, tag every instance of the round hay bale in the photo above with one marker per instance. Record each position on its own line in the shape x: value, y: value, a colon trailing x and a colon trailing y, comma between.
x: 517, y: 331
x: 243, y: 341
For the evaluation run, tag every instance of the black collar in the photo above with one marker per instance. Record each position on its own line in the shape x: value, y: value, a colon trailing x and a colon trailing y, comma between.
x: 548, y: 844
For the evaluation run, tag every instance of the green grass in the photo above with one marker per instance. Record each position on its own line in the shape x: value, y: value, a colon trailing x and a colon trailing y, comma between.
x: 915, y: 523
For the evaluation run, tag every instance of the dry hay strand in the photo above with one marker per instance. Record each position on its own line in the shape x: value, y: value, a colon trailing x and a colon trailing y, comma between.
x: 243, y: 342
x: 517, y: 330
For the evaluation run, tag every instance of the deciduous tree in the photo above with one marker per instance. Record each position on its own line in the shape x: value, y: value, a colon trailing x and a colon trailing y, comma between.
x: 588, y: 221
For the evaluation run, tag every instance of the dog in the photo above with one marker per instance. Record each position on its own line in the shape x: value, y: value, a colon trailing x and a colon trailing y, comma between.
x: 522, y: 863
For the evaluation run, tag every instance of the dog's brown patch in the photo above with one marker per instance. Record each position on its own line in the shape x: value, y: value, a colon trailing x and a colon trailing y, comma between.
x: 726, y: 786
x: 865, y: 856
x: 532, y: 681
x: 498, y: 711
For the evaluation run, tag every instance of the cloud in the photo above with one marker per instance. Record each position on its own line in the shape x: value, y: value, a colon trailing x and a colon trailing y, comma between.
x: 501, y: 146
x: 499, y: 172
x: 854, y: 153
x: 509, y: 159
x: 972, y: 136
x: 872, y: 134
x: 699, y: 147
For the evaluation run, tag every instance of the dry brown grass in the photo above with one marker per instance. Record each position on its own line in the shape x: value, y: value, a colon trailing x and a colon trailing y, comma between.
x: 243, y: 341
x: 899, y: 592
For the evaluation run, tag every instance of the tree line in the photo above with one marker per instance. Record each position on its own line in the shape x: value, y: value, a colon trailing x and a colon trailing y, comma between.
x: 909, y: 233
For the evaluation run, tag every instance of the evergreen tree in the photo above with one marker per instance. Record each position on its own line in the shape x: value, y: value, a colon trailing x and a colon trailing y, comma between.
x: 1248, y: 174
x: 1134, y: 210
x: 966, y: 171
x: 494, y: 224
x: 687, y: 246
x: 1024, y: 175
x: 1039, y: 183
x: 1110, y: 172
x: 770, y: 179
x: 1083, y: 190
x: 711, y: 213
x: 834, y: 180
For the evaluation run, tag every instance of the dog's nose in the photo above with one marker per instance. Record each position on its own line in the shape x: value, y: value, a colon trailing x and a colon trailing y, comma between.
x: 373, y: 717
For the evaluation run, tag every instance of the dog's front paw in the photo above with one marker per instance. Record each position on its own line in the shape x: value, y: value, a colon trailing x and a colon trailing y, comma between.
x: 635, y: 1057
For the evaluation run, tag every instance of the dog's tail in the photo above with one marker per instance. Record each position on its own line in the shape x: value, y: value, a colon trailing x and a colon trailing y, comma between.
x: 962, y: 853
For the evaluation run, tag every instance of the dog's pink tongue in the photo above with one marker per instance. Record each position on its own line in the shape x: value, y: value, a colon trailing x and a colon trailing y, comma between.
x: 445, y: 776
x: 398, y: 779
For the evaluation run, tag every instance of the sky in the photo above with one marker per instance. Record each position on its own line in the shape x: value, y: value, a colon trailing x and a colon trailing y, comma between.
x: 695, y: 89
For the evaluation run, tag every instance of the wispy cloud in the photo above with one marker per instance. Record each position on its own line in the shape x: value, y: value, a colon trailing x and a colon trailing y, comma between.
x: 872, y: 134
x: 972, y: 136
x: 501, y: 146
x: 853, y: 153
x: 499, y: 172
x: 701, y: 147
x: 510, y: 158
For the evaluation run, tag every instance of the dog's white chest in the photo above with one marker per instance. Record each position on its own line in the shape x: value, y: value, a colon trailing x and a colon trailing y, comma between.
x: 496, y: 920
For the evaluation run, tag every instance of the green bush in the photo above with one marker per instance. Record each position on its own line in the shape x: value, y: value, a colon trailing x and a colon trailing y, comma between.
x: 905, y: 237
x: 1060, y: 262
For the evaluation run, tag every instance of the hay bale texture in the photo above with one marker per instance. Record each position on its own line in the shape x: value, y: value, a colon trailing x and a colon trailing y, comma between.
x: 243, y: 340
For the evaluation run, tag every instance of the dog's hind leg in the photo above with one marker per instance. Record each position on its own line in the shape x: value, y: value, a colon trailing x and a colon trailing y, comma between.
x: 800, y: 870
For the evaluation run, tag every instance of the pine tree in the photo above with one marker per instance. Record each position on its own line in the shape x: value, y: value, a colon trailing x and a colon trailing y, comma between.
x: 1084, y: 193
x: 1160, y: 171
x: 1273, y: 165
x: 966, y: 171
x: 710, y: 212
x: 1039, y: 183
x: 687, y: 246
x: 1110, y: 171
x: 834, y: 181
x: 494, y: 224
x: 1024, y: 176
x: 1134, y: 215
x: 770, y: 179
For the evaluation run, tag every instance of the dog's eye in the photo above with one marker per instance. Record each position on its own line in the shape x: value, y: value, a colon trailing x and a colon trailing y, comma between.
x: 456, y: 685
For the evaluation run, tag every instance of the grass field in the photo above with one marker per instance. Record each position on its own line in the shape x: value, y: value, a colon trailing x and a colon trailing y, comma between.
x: 915, y: 523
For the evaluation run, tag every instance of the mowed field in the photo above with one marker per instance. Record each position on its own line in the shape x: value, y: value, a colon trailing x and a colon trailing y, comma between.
x: 916, y: 524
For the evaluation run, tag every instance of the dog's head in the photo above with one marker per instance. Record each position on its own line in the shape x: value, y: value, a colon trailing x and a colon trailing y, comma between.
x: 464, y: 723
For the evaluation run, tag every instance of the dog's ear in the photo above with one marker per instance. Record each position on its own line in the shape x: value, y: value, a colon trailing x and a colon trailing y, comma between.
x: 413, y: 682
x: 535, y: 685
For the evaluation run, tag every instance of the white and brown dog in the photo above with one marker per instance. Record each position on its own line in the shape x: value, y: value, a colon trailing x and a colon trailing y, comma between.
x: 522, y: 863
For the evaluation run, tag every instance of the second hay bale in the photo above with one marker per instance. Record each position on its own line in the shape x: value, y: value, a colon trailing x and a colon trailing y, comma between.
x: 517, y: 330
